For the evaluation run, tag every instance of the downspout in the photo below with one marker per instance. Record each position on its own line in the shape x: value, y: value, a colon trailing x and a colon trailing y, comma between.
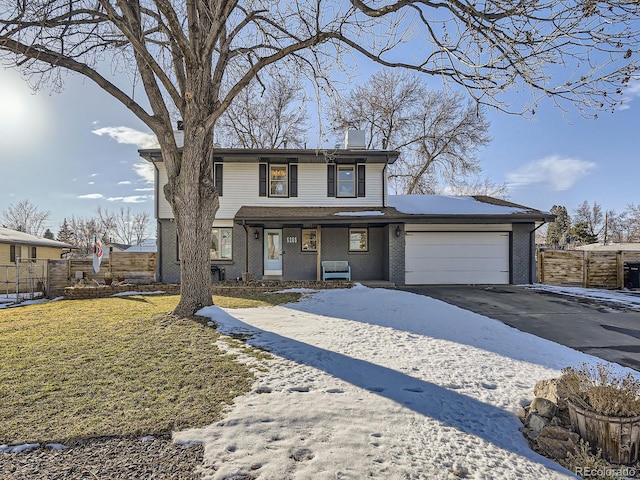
x: 532, y: 241
x: 384, y: 183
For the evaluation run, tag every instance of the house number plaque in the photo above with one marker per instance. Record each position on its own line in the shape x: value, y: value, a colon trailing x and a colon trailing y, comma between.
x: 292, y: 239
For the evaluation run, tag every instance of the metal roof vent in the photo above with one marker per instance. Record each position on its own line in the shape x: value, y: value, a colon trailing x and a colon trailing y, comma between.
x: 354, y: 140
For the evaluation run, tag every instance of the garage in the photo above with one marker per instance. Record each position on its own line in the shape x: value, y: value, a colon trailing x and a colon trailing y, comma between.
x: 462, y: 258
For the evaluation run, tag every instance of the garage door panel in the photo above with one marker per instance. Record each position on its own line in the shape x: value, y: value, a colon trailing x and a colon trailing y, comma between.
x: 457, y: 258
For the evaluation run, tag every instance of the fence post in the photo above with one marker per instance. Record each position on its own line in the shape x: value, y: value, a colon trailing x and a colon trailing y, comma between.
x: 540, y: 266
x: 619, y: 269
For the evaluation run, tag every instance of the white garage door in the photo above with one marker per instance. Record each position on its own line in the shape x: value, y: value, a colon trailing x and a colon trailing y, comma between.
x: 456, y: 258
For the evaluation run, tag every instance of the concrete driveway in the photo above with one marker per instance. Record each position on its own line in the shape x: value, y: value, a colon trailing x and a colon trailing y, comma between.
x: 604, y: 329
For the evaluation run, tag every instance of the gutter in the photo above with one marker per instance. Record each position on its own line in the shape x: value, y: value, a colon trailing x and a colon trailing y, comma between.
x: 532, y: 241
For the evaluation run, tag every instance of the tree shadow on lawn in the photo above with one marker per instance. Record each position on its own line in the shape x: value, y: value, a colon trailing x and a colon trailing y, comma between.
x: 450, y: 408
x: 421, y: 315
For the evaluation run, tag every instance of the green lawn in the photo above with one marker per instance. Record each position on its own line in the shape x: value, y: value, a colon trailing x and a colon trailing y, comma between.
x: 120, y: 366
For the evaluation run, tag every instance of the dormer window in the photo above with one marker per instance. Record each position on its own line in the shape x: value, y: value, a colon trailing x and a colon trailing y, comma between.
x: 278, y: 181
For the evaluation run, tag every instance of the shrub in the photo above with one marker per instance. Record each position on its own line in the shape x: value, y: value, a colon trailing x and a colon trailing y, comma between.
x: 599, y: 389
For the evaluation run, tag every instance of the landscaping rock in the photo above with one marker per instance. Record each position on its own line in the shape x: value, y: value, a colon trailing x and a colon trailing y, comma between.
x: 556, y: 442
x: 554, y: 390
x: 543, y: 407
x: 535, y: 423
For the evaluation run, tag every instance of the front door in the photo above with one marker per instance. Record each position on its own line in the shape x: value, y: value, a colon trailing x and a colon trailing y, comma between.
x: 272, y: 251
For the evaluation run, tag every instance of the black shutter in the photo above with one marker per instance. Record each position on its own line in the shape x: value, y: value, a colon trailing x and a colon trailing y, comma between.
x: 217, y: 177
x: 361, y: 180
x: 331, y: 180
x: 293, y: 180
x: 262, y: 189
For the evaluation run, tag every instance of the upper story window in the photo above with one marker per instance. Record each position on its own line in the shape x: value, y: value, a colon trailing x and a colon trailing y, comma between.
x: 278, y: 181
x: 13, y: 254
x: 346, y: 180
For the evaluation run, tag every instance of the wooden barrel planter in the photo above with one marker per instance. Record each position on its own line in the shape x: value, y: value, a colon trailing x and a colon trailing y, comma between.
x: 617, y: 437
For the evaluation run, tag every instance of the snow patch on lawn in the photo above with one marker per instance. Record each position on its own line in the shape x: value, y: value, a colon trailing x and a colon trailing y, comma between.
x: 381, y: 384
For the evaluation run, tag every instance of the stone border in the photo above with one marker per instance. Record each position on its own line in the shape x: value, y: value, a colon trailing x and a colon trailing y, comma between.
x: 223, y: 288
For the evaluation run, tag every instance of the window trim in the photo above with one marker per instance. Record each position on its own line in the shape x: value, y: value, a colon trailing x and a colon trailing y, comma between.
x: 284, y: 182
x: 364, y: 231
x: 353, y: 182
x: 220, y: 247
x: 302, y: 232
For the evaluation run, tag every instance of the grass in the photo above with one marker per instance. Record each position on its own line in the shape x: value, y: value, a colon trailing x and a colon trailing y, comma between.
x: 120, y: 366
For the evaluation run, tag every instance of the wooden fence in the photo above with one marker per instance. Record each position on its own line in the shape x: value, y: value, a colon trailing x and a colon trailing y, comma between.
x: 138, y: 267
x: 584, y: 268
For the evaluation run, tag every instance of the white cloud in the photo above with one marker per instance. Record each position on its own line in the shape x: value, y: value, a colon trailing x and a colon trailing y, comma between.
x: 557, y: 172
x: 632, y: 91
x: 124, y: 182
x: 92, y: 196
x: 150, y: 189
x: 92, y: 183
x: 145, y: 170
x: 130, y: 199
x: 129, y: 136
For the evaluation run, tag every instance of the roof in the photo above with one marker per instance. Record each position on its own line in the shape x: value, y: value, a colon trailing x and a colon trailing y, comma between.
x: 294, y: 155
x: 463, y: 205
x: 13, y: 236
x: 403, y: 208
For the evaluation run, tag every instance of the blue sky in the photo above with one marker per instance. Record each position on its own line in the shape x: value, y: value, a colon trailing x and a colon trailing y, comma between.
x: 52, y: 153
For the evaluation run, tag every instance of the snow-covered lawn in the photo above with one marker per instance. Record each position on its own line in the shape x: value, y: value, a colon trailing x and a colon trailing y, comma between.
x: 375, y: 383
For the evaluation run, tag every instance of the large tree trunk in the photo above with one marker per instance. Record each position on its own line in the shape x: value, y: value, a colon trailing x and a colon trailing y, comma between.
x: 194, y: 201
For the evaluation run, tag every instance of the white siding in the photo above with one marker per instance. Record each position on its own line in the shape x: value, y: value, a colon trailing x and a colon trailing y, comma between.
x: 240, y: 187
x: 164, y: 209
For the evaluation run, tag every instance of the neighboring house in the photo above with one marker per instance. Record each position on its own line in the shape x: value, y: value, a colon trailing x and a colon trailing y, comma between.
x: 148, y: 245
x: 284, y: 211
x: 18, y: 245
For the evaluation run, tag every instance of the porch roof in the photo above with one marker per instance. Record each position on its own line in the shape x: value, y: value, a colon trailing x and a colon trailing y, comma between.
x: 317, y: 215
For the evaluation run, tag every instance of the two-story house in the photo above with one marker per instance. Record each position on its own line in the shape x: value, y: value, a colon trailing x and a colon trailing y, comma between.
x: 284, y: 211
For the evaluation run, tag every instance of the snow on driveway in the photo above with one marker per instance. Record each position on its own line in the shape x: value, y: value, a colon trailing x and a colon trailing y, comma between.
x: 375, y: 383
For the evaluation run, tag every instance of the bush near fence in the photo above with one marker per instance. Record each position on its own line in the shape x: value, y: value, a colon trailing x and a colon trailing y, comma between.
x: 585, y: 268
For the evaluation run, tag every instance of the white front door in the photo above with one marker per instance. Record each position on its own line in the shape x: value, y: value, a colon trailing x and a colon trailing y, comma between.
x: 272, y: 251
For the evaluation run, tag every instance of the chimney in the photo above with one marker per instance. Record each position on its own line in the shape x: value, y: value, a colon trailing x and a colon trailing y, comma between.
x: 354, y: 140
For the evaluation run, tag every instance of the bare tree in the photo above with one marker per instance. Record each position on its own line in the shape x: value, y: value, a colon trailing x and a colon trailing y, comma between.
x: 478, y: 186
x: 82, y: 232
x: 265, y: 115
x: 193, y: 58
x: 26, y: 217
x: 437, y: 133
x: 592, y: 217
x: 123, y: 226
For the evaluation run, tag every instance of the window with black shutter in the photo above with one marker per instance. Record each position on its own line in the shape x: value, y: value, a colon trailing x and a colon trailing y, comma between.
x: 217, y: 177
x: 331, y: 180
x: 361, y: 180
x: 293, y: 180
x: 262, y: 188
